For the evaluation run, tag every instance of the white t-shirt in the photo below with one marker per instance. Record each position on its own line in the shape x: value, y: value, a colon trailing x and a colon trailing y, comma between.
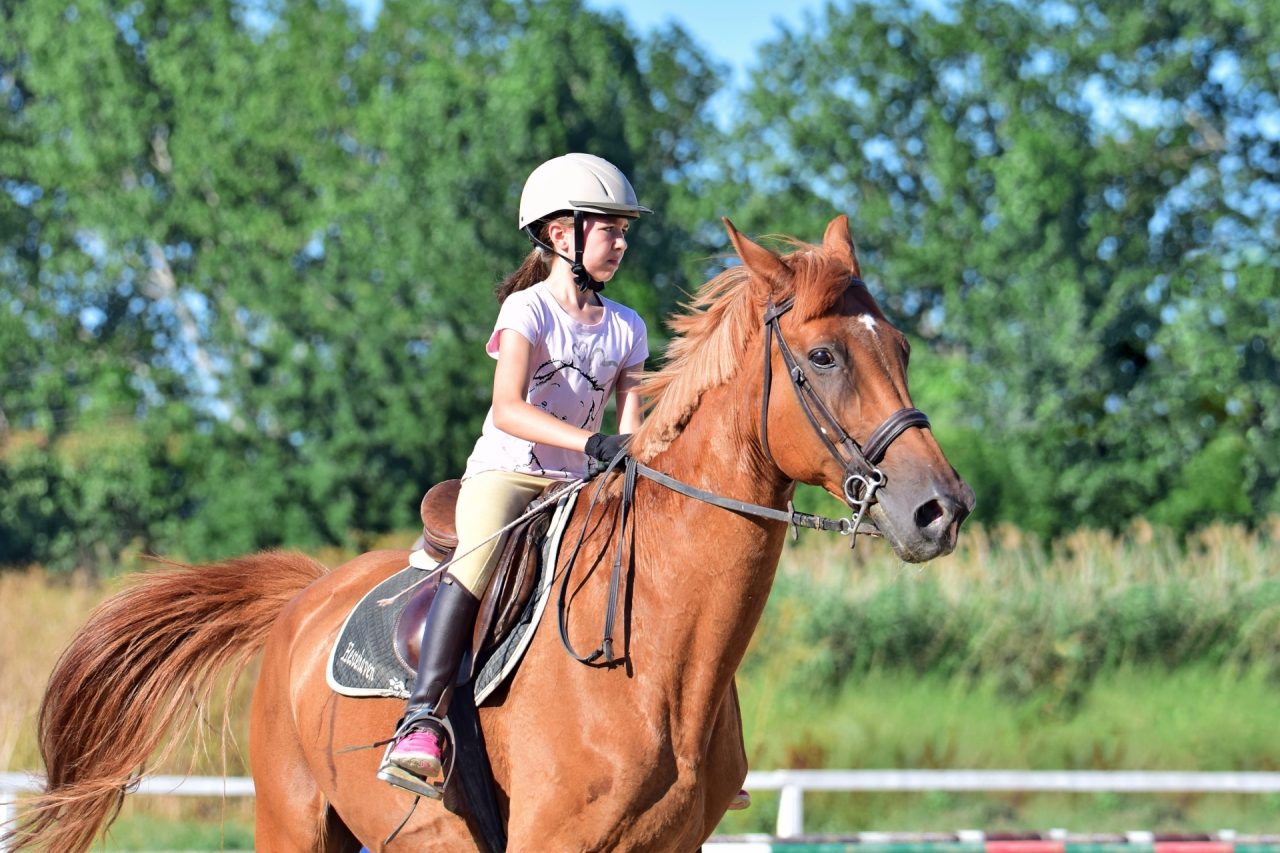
x: 573, y: 371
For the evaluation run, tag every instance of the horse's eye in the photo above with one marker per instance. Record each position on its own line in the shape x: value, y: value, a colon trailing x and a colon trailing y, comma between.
x: 822, y: 358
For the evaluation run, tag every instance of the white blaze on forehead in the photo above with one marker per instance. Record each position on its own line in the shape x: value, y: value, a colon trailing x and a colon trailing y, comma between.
x: 868, y: 321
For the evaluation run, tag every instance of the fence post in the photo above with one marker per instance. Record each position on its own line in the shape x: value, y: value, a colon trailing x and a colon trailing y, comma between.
x: 791, y: 811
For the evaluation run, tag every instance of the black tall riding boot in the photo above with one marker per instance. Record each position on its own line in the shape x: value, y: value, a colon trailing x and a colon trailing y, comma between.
x: 417, y: 758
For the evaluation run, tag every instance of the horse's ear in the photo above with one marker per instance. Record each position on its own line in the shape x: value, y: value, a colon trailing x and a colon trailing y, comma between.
x: 757, y: 258
x: 838, y: 244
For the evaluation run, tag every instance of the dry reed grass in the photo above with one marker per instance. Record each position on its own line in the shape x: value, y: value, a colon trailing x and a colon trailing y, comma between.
x: 39, y: 613
x: 1003, y: 604
x: 1035, y: 618
x: 1221, y: 554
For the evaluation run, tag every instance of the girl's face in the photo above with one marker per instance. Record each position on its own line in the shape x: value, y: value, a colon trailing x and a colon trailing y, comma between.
x: 605, y: 239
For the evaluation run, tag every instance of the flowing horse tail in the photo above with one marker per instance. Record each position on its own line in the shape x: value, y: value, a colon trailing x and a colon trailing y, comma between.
x: 138, y: 676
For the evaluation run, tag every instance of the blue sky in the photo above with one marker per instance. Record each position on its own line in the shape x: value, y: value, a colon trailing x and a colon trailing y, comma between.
x: 730, y: 31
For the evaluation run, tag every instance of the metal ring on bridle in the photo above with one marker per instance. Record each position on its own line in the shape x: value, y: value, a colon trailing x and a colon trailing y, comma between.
x: 860, y: 490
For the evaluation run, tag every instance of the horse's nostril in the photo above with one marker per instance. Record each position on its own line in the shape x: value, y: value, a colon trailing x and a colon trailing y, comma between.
x: 928, y: 513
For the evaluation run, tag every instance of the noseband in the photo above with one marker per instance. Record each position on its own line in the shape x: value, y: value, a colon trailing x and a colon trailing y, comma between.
x: 862, y: 476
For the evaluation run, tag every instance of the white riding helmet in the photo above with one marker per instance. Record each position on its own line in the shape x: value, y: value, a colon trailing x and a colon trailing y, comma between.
x: 582, y: 183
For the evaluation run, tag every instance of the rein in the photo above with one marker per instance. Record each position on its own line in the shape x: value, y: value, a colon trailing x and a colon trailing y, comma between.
x: 633, y: 470
x: 862, y: 479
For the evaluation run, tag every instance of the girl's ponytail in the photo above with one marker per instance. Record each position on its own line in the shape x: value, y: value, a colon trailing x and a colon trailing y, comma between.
x: 535, y: 266
x: 532, y: 271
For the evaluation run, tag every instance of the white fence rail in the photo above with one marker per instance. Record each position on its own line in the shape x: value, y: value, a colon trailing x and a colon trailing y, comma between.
x: 793, y: 783
x: 13, y: 784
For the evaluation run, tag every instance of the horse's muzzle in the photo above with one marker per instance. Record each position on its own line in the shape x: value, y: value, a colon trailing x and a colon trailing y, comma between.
x: 924, y: 522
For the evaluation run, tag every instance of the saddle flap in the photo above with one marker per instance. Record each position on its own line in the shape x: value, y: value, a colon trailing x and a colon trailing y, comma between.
x: 372, y: 654
x: 508, y: 593
x: 511, y: 585
x: 408, y: 629
x: 439, y: 512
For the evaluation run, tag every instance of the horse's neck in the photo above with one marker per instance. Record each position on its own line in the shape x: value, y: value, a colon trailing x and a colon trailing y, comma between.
x: 703, y: 572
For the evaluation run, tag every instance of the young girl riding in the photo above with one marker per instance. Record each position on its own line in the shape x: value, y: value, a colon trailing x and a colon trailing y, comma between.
x: 562, y: 349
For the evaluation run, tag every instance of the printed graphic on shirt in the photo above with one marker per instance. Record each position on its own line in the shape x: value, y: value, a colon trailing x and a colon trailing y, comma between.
x: 589, y: 367
x: 586, y: 355
x: 547, y: 373
x: 574, y: 371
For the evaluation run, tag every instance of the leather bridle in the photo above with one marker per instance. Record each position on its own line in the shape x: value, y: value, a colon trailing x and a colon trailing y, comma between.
x: 862, y: 479
x: 862, y: 476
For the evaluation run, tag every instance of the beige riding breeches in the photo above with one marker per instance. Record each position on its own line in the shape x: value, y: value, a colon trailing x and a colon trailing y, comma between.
x: 488, y: 502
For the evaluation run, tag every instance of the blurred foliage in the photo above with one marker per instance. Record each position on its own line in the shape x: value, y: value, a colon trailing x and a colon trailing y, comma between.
x: 1040, y: 624
x: 1102, y: 652
x: 246, y: 250
x: 1078, y: 201
x: 259, y: 256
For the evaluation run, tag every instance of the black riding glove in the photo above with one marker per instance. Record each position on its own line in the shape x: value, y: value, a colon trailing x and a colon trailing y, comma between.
x: 602, y: 448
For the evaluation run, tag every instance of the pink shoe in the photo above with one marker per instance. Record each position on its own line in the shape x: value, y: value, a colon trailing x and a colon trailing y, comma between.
x: 419, y: 752
x: 740, y: 802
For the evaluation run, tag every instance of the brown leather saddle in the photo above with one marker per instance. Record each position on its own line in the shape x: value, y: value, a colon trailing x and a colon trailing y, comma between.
x: 509, y: 589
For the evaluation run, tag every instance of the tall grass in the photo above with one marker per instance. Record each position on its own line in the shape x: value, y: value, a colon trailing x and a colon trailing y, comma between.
x: 1101, y: 651
x: 39, y: 613
x: 1095, y: 651
x: 1194, y: 718
x: 1040, y: 621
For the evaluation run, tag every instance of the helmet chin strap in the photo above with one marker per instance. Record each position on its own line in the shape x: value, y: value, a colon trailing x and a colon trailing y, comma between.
x: 580, y: 275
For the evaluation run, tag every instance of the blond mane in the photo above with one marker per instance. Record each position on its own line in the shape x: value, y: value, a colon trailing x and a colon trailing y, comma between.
x: 711, y: 340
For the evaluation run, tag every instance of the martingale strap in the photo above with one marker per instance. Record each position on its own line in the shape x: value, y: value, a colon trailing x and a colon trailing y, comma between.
x: 633, y: 470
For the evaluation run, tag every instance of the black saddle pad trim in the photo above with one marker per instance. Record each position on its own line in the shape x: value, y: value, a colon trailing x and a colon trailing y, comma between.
x: 364, y: 662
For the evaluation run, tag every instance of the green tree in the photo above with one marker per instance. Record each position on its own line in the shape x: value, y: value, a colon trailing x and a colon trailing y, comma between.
x: 278, y: 242
x: 1074, y: 204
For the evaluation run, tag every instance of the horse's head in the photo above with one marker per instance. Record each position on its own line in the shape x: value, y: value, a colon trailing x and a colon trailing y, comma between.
x: 854, y: 364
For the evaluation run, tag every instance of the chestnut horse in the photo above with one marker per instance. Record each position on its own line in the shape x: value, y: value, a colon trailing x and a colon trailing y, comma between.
x: 645, y: 755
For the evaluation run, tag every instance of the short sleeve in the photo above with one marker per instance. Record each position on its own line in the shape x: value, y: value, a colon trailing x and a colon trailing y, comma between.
x: 640, y: 346
x: 520, y: 312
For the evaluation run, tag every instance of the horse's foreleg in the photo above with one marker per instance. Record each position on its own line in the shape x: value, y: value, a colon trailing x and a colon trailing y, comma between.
x: 726, y: 760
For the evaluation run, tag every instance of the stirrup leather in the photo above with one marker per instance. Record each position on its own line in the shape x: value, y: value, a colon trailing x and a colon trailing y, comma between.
x: 394, y: 774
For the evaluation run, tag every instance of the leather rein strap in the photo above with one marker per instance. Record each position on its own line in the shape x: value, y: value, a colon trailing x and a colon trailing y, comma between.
x: 633, y: 470
x: 861, y: 480
x: 790, y: 516
x: 615, y: 581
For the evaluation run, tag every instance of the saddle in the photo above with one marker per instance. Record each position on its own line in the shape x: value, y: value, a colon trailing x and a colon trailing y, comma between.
x: 509, y: 589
